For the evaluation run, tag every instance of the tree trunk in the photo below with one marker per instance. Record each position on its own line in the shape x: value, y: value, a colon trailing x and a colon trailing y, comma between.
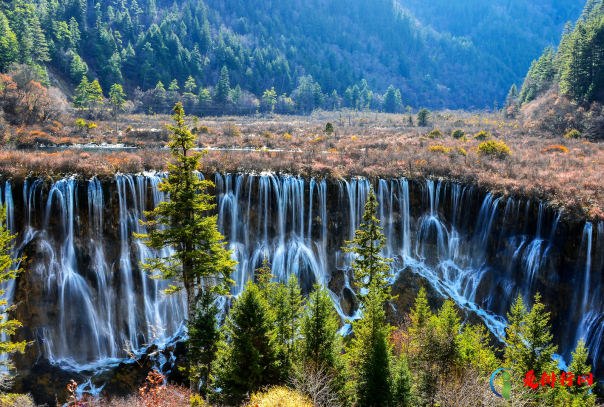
x: 190, y: 289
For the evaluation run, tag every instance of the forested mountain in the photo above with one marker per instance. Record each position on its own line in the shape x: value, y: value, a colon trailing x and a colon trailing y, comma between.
x: 512, y: 31
x: 263, y: 44
x: 577, y: 67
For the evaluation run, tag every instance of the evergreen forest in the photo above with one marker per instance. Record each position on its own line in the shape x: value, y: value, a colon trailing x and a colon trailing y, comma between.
x: 356, y: 54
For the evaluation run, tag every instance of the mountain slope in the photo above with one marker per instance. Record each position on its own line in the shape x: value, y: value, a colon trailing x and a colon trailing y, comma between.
x: 263, y: 44
x: 512, y: 31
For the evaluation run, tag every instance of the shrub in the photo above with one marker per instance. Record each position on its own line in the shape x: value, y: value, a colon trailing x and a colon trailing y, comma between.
x: 439, y: 149
x: 278, y: 396
x: 423, y: 116
x: 458, y: 122
x: 493, y: 148
x: 16, y: 400
x: 204, y: 130
x: 458, y: 134
x: 287, y: 136
x: 128, y: 129
x: 329, y: 128
x: 82, y: 124
x: 435, y: 134
x: 573, y: 134
x: 555, y: 149
x: 231, y: 130
x: 483, y: 135
x: 461, y: 151
x: 266, y: 134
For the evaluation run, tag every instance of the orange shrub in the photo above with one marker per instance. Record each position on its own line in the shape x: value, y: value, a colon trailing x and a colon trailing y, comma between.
x: 555, y: 149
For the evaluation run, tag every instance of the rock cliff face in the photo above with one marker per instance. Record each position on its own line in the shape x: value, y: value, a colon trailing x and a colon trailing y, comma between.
x: 83, y: 299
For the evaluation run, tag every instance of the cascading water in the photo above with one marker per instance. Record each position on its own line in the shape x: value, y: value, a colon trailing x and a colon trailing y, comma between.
x: 95, y: 300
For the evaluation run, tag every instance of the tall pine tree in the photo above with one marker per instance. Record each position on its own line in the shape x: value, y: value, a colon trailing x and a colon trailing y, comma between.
x: 200, y: 261
x: 367, y: 245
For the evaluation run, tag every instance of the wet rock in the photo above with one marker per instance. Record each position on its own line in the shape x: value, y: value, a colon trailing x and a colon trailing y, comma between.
x: 348, y: 301
x: 47, y: 383
x: 128, y: 377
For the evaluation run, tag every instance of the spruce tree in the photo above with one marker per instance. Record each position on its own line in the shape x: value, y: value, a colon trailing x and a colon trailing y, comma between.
x: 200, y: 261
x: 82, y: 94
x: 247, y: 358
x: 321, y: 345
x: 95, y: 95
x: 402, y: 392
x: 370, y: 351
x: 528, y: 345
x: 421, y: 314
x: 40, y: 48
x: 159, y: 93
x: 287, y: 306
x: 367, y: 244
x: 223, y: 87
x: 78, y: 68
x: 319, y: 329
x: 202, y: 342
x: 580, y: 368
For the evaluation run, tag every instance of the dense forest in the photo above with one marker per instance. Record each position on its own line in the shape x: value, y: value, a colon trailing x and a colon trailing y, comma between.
x: 312, y: 51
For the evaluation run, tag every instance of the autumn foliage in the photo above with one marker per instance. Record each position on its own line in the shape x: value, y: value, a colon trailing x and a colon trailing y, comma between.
x: 27, y: 101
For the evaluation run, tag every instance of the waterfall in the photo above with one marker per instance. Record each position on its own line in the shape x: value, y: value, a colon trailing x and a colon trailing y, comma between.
x: 95, y: 300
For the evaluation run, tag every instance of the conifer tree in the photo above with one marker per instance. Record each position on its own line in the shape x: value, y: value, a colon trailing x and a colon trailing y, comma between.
x: 287, y: 306
x: 159, y: 93
x: 190, y: 86
x: 247, y: 358
x: 8, y: 272
x: 319, y: 330
x: 40, y: 46
x: 82, y: 94
x: 173, y: 89
x: 423, y: 116
x: 321, y: 345
x: 580, y: 368
x: 370, y: 351
x: 200, y: 261
x: 117, y: 101
x: 270, y: 98
x: 202, y: 342
x: 9, y: 47
x: 78, y: 68
x: 367, y: 244
x: 95, y: 95
x: 421, y: 314
x: 529, y: 344
x: 204, y: 96
x: 402, y: 393
x: 391, y: 100
x: 223, y: 87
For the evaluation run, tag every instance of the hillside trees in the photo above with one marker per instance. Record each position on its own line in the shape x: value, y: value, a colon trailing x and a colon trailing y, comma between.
x: 577, y: 66
x: 140, y: 45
